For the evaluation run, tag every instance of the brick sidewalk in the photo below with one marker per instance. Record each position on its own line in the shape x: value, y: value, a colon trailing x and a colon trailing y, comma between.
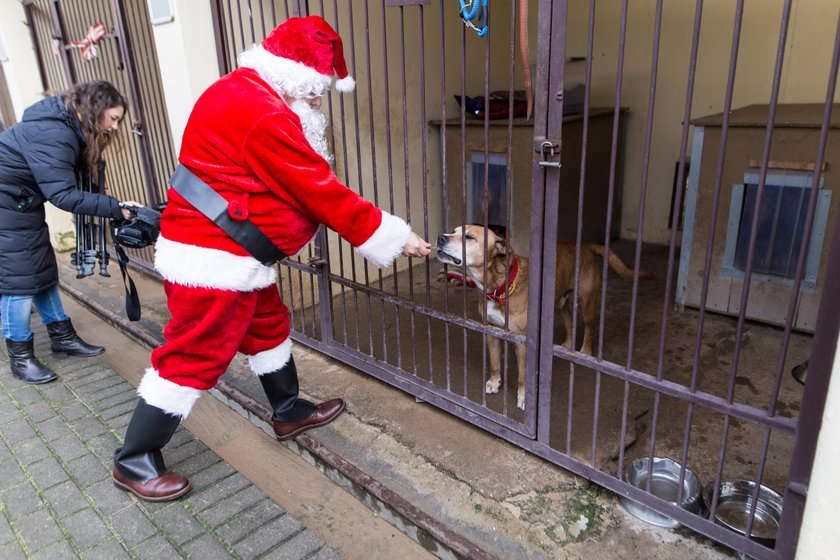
x: 56, y: 495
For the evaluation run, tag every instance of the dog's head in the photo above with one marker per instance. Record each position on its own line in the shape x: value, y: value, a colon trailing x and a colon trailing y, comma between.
x: 471, y: 245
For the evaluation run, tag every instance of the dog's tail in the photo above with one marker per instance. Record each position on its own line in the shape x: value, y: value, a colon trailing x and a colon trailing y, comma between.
x: 618, y: 265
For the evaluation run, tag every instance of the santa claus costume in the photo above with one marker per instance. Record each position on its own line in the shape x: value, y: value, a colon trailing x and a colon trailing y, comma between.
x: 252, y: 138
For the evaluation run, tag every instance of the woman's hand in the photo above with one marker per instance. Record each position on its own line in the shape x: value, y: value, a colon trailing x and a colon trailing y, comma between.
x: 416, y: 246
x: 128, y: 214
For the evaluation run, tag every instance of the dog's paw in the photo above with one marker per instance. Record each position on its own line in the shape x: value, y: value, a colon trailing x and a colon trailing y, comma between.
x: 492, y: 386
x: 520, y: 399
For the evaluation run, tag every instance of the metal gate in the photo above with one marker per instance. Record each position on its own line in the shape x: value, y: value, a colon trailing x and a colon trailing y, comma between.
x: 708, y: 390
x: 139, y: 167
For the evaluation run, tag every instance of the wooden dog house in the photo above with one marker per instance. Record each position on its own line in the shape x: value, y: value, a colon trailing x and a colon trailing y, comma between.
x: 781, y: 219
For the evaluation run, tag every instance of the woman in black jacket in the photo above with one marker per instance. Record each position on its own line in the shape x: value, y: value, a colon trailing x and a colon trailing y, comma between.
x: 40, y: 158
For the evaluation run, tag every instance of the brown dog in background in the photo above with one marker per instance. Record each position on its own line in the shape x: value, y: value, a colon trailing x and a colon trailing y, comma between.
x: 466, y: 247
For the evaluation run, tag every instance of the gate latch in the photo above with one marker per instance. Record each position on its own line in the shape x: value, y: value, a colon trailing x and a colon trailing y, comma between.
x: 547, y: 149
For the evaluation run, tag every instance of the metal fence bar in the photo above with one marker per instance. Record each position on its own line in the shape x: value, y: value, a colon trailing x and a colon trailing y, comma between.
x: 745, y: 291
x: 730, y: 86
x: 509, y: 188
x: 619, y: 82
x: 587, y: 85
x: 654, y: 72
x: 672, y: 246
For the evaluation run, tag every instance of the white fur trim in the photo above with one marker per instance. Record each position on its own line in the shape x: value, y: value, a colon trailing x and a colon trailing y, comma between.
x: 284, y: 75
x: 387, y: 242
x: 200, y: 267
x: 271, y: 360
x: 170, y: 397
x: 345, y: 85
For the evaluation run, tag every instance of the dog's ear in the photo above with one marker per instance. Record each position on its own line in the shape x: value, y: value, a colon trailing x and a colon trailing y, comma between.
x: 501, y: 246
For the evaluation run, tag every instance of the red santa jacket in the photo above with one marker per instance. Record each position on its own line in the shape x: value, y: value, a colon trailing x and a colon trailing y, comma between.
x: 248, y: 145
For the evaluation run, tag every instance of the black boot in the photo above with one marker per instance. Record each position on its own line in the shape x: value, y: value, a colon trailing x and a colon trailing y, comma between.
x: 291, y: 414
x: 66, y: 341
x: 24, y: 363
x: 138, y: 464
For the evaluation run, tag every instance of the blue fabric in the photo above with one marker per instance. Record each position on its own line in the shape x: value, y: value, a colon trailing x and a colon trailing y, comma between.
x: 15, y: 312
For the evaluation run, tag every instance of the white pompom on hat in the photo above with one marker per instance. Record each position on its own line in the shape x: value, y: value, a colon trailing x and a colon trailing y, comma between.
x: 300, y: 57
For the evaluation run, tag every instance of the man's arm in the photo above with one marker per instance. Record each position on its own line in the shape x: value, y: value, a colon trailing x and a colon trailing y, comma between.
x: 279, y: 154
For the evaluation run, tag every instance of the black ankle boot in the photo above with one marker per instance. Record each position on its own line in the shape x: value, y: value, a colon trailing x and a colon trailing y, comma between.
x: 291, y: 414
x: 25, y: 365
x: 138, y: 464
x: 66, y: 341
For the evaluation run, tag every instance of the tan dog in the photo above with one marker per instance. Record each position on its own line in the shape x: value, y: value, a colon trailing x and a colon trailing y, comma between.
x: 466, y: 247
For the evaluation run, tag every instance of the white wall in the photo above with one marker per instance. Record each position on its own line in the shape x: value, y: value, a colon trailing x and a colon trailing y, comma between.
x: 820, y: 539
x: 187, y: 59
x: 21, y: 68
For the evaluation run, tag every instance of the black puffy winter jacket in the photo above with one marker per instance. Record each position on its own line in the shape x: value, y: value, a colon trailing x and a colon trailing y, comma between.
x: 39, y: 158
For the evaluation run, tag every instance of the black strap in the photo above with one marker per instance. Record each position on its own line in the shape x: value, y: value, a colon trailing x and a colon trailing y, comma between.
x: 214, y: 206
x: 132, y: 300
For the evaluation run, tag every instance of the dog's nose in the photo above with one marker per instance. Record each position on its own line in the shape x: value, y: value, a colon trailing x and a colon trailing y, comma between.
x: 442, y: 240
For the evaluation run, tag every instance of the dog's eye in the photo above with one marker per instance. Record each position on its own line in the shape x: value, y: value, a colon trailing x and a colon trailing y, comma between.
x: 469, y: 236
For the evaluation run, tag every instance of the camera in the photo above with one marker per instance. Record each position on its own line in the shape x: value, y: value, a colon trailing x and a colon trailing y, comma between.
x: 140, y: 231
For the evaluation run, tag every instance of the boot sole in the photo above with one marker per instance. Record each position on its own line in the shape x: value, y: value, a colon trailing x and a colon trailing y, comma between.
x: 312, y: 426
x: 170, y: 497
x: 61, y: 354
x: 34, y: 382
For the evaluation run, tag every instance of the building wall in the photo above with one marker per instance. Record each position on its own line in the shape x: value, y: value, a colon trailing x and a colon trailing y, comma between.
x: 804, y: 79
x: 187, y: 60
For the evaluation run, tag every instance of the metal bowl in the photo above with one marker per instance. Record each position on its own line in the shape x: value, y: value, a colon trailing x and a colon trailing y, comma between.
x: 733, y: 510
x: 664, y: 484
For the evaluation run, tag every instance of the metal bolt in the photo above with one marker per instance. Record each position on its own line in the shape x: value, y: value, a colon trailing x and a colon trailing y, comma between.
x: 559, y: 95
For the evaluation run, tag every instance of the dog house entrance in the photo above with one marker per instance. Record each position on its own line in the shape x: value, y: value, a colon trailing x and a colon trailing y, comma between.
x: 781, y: 225
x: 488, y: 196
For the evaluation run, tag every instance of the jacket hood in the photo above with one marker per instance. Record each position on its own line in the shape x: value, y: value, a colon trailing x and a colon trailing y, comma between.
x: 53, y: 109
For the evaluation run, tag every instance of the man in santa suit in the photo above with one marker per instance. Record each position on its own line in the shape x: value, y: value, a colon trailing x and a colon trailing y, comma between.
x: 256, y: 137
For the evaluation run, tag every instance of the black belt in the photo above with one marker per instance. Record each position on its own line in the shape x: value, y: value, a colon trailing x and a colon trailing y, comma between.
x: 214, y: 206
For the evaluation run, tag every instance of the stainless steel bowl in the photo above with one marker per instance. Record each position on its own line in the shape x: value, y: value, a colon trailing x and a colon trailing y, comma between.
x: 664, y: 484
x: 733, y: 510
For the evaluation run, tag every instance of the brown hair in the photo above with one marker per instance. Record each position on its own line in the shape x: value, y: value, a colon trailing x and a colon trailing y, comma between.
x: 89, y: 101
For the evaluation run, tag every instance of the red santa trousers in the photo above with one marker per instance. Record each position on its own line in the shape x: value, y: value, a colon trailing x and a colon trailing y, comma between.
x: 209, y: 326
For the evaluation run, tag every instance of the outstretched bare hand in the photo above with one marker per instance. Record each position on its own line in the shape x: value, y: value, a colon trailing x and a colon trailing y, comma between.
x: 416, y: 246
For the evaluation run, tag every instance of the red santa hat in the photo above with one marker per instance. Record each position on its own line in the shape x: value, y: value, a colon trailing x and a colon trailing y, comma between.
x: 300, y: 57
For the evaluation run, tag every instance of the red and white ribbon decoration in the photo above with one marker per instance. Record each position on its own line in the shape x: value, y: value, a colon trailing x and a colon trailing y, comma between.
x: 95, y: 33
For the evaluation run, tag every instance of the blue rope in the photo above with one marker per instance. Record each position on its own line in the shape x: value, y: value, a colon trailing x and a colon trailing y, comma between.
x: 476, y: 8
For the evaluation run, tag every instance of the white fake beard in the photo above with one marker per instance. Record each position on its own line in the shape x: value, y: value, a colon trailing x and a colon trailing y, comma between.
x: 314, y: 124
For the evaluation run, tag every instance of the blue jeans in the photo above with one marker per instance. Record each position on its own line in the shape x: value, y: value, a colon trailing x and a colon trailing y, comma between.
x: 15, y: 312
